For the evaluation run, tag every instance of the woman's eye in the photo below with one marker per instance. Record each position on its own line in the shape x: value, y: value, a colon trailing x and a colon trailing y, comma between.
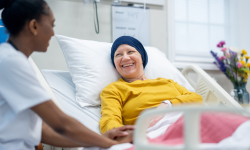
x: 130, y: 51
x: 117, y: 54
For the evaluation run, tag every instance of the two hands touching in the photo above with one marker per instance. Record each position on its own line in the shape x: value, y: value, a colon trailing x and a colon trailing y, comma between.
x: 121, y: 135
x: 125, y: 134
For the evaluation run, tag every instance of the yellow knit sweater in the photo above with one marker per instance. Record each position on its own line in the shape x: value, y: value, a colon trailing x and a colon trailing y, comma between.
x: 122, y: 102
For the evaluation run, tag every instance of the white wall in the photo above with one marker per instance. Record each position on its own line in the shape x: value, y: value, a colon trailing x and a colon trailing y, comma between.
x: 74, y: 19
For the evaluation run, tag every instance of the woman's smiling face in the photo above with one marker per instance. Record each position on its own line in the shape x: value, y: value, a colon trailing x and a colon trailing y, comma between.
x: 128, y: 62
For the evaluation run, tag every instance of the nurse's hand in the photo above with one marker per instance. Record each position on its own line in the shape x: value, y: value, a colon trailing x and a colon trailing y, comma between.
x: 126, y: 139
x: 118, y: 132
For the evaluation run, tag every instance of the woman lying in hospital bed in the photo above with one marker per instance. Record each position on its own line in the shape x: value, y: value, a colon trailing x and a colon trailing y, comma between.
x: 123, y: 100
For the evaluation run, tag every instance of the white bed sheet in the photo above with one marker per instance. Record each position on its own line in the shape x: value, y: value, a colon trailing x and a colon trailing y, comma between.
x: 63, y: 88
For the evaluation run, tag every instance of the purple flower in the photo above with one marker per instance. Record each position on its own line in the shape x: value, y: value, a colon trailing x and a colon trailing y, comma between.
x: 228, y: 63
x: 234, y: 76
x: 232, y: 53
x: 227, y: 66
x: 219, y: 63
x: 233, y: 58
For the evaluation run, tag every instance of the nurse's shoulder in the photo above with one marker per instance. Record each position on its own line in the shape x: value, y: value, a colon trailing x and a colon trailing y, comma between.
x: 10, y: 57
x: 7, y: 51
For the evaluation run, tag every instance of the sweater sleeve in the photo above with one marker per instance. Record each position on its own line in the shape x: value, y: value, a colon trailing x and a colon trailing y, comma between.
x: 186, y: 96
x: 111, y: 110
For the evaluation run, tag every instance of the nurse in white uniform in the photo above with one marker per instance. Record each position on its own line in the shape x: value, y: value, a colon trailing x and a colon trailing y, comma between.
x: 27, y: 115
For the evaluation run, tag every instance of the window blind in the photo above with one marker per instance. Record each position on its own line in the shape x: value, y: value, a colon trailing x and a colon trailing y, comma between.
x: 200, y: 24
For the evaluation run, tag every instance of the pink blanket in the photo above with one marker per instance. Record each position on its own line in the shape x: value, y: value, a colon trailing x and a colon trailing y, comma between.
x: 214, y: 127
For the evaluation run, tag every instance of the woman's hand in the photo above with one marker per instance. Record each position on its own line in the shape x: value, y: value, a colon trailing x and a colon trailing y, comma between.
x: 126, y: 139
x: 159, y: 117
x: 118, y: 132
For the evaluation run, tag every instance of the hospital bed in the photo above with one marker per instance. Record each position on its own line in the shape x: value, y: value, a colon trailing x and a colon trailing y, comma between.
x: 62, y: 90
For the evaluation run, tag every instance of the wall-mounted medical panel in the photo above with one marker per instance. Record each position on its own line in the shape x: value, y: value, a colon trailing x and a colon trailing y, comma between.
x: 153, y: 2
x: 130, y: 21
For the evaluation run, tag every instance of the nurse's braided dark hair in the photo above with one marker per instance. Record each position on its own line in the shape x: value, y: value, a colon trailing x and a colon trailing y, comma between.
x: 17, y: 13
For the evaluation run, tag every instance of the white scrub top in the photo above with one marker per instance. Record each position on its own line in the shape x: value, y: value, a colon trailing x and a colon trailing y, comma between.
x: 20, y: 127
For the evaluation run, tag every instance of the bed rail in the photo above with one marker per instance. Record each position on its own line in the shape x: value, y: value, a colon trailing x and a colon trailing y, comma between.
x: 213, y: 94
x: 44, y: 83
x: 191, y: 124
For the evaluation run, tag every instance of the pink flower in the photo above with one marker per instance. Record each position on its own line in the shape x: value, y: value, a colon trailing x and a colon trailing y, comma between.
x: 222, y: 57
x: 224, y: 49
x: 221, y: 44
x: 239, y: 65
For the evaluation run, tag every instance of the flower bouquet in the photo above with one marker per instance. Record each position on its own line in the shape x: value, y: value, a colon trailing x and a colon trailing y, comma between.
x: 236, y: 70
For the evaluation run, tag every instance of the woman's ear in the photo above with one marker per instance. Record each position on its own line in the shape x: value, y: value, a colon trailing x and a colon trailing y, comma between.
x: 33, y: 27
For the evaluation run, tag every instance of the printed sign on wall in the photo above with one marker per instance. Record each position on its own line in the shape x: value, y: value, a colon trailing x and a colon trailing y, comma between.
x: 130, y: 21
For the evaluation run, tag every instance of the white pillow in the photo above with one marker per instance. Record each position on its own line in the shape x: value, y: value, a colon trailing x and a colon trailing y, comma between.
x: 91, y: 68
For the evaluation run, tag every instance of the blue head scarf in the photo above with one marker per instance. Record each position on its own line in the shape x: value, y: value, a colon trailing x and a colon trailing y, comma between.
x: 132, y: 42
